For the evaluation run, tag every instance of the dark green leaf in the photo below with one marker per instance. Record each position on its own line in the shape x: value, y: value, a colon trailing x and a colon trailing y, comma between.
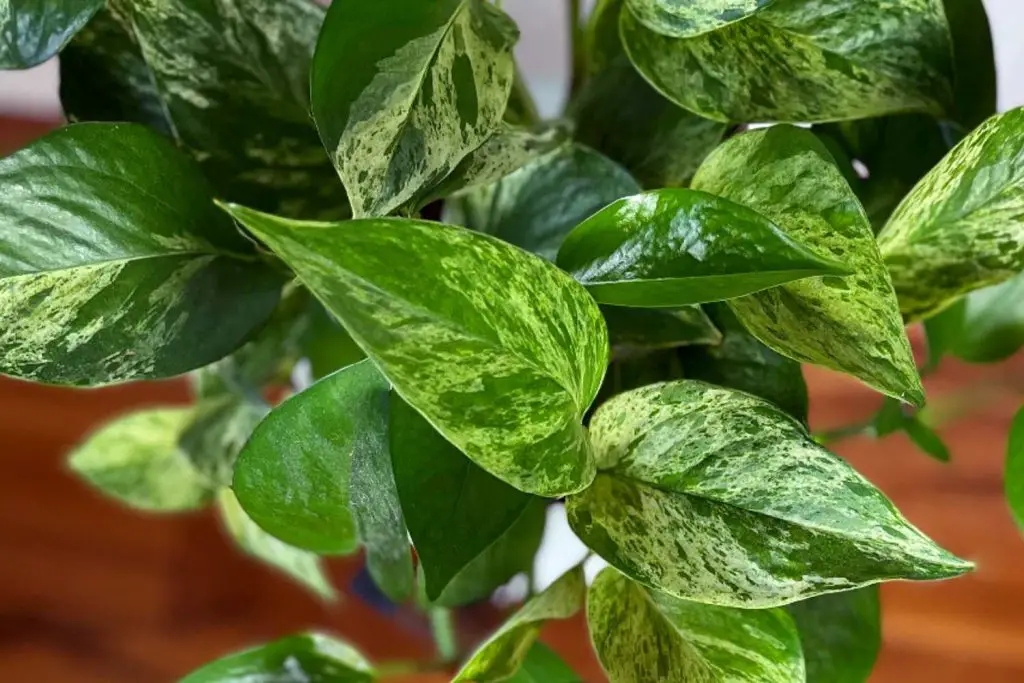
x: 974, y: 62
x: 805, y: 61
x: 961, y: 227
x: 1015, y: 469
x: 841, y: 635
x: 305, y: 658
x: 692, y: 17
x: 635, y: 371
x: 670, y: 248
x: 327, y: 345
x: 742, y: 362
x: 849, y: 324
x: 454, y: 509
x: 499, y: 350
x: 218, y: 431
x: 536, y: 207
x: 894, y: 417
x: 717, y: 496
x: 986, y: 326
x: 642, y: 636
x: 136, y: 460
x: 115, y: 265
x: 542, y: 665
x: 635, y: 330
x: 503, y: 653
x: 31, y: 31
x: 398, y: 113
x: 925, y: 438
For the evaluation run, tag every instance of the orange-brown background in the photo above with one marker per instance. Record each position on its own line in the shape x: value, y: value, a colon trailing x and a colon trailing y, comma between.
x: 92, y: 593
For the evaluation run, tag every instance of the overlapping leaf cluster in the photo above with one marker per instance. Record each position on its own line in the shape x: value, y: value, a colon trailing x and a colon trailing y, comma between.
x: 612, y: 315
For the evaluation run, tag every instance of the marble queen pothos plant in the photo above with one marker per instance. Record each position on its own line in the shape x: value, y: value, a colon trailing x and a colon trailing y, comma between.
x: 606, y: 311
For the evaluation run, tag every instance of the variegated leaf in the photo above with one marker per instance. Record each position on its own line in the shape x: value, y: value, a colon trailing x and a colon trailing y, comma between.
x: 398, y: 113
x: 538, y: 205
x: 688, y: 18
x: 841, y: 635
x: 114, y: 263
x: 499, y: 350
x: 850, y: 324
x: 822, y: 60
x: 642, y: 636
x: 300, y: 565
x: 136, y: 460
x: 636, y: 330
x: 716, y: 496
x: 31, y: 31
x: 962, y: 227
x: 503, y: 653
x: 677, y: 247
x: 304, y: 658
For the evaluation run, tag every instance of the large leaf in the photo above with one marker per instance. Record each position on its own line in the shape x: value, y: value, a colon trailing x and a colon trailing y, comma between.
x: 986, y: 326
x: 136, y: 459
x: 31, y: 32
x: 542, y: 665
x: 796, y: 61
x: 536, y: 207
x: 643, y: 636
x: 1015, y: 468
x: 499, y: 350
x: 454, y: 509
x: 849, y: 324
x: 719, y: 497
x: 398, y: 113
x: 304, y: 658
x: 503, y: 653
x: 635, y: 330
x: 841, y: 635
x: 232, y: 81
x: 670, y: 248
x: 300, y: 565
x: 742, y: 362
x: 115, y: 265
x: 687, y: 18
x: 962, y: 226
x: 619, y: 114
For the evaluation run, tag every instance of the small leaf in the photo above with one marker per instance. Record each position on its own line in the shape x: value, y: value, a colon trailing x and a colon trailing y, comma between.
x: 827, y: 62
x: 849, y: 324
x: 536, y: 207
x: 717, y: 496
x: 1015, y: 469
x: 303, y: 658
x: 986, y: 326
x: 643, y: 636
x: 136, y: 460
x: 499, y: 350
x: 670, y: 248
x: 301, y: 566
x: 841, y: 635
x: 692, y: 17
x: 961, y: 227
x: 741, y: 362
x: 633, y: 330
x: 454, y: 509
x: 504, y: 652
x: 542, y: 665
x: 31, y: 32
x: 398, y: 113
x: 114, y: 263
x: 218, y: 431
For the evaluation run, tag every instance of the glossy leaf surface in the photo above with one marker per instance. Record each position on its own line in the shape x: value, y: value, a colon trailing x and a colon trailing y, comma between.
x: 503, y: 653
x: 633, y: 330
x: 304, y: 658
x: 814, y: 61
x: 31, y: 32
x: 670, y: 248
x: 643, y: 636
x: 499, y: 350
x: 688, y: 18
x: 841, y: 635
x: 398, y: 113
x: 717, y: 496
x: 962, y: 226
x: 1015, y: 468
x: 122, y: 268
x: 136, y: 460
x: 849, y: 324
x: 542, y: 665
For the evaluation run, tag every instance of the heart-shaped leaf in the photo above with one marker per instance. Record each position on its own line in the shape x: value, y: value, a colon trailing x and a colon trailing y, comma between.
x: 828, y: 61
x: 31, y: 32
x: 670, y: 248
x: 850, y: 324
x: 719, y: 497
x: 499, y: 350
x: 841, y: 635
x: 962, y: 227
x: 114, y: 263
x: 692, y: 17
x: 643, y: 636
x: 398, y: 113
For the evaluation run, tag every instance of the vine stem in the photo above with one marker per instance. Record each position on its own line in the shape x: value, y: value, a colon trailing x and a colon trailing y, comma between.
x: 442, y: 627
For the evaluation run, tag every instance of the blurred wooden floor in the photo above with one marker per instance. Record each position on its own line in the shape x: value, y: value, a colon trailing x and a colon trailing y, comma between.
x: 91, y: 593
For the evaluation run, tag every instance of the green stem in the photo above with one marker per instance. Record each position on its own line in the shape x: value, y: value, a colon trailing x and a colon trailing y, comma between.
x: 442, y: 627
x: 831, y: 436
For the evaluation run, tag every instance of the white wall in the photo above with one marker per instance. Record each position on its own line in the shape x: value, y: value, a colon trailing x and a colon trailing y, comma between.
x: 544, y: 58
